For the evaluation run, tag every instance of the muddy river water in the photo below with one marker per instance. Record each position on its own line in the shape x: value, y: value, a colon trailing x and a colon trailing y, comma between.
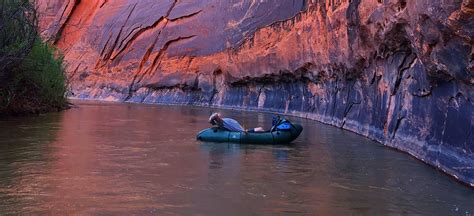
x: 105, y: 158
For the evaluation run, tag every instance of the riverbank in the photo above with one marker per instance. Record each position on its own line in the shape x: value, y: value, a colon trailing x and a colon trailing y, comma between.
x: 32, y: 77
x: 27, y: 108
x: 36, y: 85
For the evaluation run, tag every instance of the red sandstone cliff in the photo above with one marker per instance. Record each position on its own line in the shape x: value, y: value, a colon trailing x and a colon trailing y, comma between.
x: 397, y: 71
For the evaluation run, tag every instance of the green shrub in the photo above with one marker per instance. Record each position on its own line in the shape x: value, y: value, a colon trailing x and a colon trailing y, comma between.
x: 18, y: 32
x: 38, y: 83
x: 31, y: 72
x: 43, y: 72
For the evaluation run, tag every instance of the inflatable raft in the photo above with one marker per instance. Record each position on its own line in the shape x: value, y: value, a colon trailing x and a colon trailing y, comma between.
x: 216, y: 134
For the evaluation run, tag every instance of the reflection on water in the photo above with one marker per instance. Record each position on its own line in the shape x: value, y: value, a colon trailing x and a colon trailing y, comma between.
x: 139, y: 159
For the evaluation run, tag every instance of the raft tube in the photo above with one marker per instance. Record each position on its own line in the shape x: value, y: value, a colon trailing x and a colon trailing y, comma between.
x: 216, y: 134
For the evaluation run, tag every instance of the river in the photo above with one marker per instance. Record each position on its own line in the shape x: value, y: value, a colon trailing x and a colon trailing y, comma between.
x: 110, y: 158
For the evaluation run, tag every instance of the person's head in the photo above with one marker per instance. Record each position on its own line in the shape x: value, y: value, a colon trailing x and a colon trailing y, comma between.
x: 215, y: 117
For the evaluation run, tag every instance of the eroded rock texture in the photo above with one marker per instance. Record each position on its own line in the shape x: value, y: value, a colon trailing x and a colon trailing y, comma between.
x: 397, y: 71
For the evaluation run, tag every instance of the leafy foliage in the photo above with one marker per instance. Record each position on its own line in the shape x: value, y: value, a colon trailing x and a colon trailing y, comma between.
x: 44, y: 73
x: 31, y: 71
x: 18, y: 32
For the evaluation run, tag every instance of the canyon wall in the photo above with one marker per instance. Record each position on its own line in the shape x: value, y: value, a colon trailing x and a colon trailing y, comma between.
x: 397, y: 71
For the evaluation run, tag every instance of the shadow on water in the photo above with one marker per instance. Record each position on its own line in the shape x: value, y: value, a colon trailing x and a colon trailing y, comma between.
x: 103, y: 158
x: 25, y: 142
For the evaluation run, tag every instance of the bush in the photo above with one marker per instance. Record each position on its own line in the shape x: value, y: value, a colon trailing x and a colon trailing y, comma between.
x: 37, y: 84
x: 43, y: 72
x: 31, y: 72
x: 18, y: 32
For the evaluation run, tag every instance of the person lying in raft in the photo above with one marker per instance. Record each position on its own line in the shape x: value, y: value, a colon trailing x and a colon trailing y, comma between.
x: 231, y: 124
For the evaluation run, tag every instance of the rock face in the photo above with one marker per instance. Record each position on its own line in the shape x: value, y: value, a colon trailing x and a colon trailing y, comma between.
x: 397, y: 71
